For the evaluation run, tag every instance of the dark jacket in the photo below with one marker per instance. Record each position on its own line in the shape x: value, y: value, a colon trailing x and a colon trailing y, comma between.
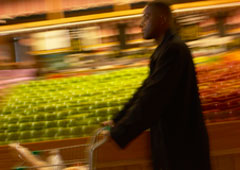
x: 168, y: 103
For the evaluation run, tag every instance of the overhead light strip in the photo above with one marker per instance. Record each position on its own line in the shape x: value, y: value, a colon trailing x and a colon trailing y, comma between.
x: 66, y: 25
x: 234, y: 4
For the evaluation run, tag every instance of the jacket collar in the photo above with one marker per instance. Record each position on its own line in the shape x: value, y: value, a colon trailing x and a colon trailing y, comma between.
x: 167, y: 36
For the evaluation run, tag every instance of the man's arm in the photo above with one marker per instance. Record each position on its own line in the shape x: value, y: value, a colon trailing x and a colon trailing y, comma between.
x: 153, y: 99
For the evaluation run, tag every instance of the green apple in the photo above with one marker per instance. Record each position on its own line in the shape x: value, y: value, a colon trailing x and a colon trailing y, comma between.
x: 6, y: 111
x: 101, y: 112
x: 92, y: 114
x: 3, y: 136
x: 51, y: 124
x: 59, y: 107
x: 64, y: 132
x: 72, y: 122
x: 3, y: 127
x: 38, y: 125
x: 13, y: 119
x: 12, y: 136
x: 82, y: 122
x: 50, y: 116
x: 13, y: 127
x: 25, y: 135
x: 122, y: 100
x: 77, y: 131
x: 49, y: 108
x: 89, y: 129
x: 26, y: 118
x: 81, y: 109
x: 109, y: 117
x: 100, y: 119
x: 79, y: 116
x: 72, y: 111
x: 37, y: 133
x: 112, y: 102
x: 52, y: 132
x: 63, y: 123
x: 40, y: 108
x: 25, y: 126
x: 92, y: 121
x: 30, y: 112
x: 39, y: 117
x: 113, y: 110
x: 62, y: 115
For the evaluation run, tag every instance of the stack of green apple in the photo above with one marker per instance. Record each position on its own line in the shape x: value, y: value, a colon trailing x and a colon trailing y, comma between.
x: 67, y: 107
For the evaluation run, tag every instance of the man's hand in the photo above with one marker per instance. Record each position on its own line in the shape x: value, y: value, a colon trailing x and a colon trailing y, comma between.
x: 108, y: 123
x: 105, y: 133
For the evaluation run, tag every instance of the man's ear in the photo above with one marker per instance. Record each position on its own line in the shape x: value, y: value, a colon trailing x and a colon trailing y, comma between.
x: 164, y: 19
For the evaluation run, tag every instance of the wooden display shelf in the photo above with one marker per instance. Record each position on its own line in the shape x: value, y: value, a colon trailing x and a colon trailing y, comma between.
x: 102, y: 45
x: 224, y: 142
x: 139, y: 41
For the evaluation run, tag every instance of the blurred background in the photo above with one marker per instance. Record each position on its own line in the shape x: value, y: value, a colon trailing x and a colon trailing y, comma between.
x: 66, y: 65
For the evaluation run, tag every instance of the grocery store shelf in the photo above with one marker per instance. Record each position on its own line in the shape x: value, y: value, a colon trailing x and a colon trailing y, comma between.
x: 111, y: 16
x: 103, y: 45
x: 43, y: 52
x: 233, y: 31
x: 107, y: 36
x: 137, y: 33
x: 101, y: 53
x: 139, y: 41
x: 133, y: 49
x: 69, y: 22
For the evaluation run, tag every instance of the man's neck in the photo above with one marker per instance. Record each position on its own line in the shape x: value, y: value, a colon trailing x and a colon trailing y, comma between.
x: 159, y: 39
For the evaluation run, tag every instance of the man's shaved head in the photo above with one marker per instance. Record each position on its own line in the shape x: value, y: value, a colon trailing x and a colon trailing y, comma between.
x: 157, y: 18
x: 160, y: 9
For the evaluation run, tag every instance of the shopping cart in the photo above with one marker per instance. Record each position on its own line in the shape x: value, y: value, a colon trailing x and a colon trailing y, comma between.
x: 76, y: 155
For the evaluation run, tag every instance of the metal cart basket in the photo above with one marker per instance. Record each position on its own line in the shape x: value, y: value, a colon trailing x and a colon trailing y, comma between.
x: 77, y: 155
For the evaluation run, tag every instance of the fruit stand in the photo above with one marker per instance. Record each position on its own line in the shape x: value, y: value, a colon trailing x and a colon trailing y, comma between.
x: 51, y: 113
x: 74, y: 106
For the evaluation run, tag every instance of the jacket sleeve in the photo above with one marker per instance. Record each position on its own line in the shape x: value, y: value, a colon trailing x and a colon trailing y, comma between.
x: 153, y: 98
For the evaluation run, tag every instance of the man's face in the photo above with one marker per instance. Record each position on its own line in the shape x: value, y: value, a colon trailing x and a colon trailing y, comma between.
x: 151, y: 24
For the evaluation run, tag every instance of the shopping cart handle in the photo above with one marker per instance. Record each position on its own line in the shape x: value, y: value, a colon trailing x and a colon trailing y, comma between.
x: 20, y: 168
x: 96, y: 144
x: 108, y: 128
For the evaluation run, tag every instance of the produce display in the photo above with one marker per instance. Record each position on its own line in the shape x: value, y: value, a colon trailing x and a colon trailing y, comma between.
x: 74, y: 107
x: 219, y: 84
x: 67, y: 107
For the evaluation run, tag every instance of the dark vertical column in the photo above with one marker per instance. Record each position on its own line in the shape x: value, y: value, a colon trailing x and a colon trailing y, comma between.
x: 220, y: 17
x: 122, y: 35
